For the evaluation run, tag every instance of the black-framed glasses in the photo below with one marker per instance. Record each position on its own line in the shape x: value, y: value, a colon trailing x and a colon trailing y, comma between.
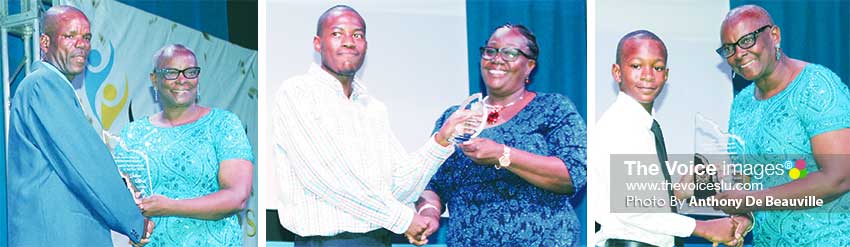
x: 172, y: 74
x: 745, y: 42
x: 509, y: 54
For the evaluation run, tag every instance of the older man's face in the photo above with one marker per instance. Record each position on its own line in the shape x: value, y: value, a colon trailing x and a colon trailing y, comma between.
x: 342, y: 43
x: 69, y: 44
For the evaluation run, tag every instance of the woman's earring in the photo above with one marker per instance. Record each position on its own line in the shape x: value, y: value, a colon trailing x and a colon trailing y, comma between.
x: 733, y: 74
x: 527, y: 81
x: 198, y: 95
x: 155, y: 95
x: 778, y: 54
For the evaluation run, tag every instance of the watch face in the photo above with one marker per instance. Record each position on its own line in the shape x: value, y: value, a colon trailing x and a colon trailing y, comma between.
x: 504, y: 161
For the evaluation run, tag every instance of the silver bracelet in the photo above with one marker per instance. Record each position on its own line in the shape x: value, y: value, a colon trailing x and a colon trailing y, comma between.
x: 427, y: 206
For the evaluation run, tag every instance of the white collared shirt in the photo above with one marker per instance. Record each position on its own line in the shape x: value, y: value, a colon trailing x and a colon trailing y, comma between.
x: 340, y: 167
x: 626, y: 128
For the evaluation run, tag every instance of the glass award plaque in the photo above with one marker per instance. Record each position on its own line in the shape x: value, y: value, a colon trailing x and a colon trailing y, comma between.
x: 714, y: 147
x: 134, y: 165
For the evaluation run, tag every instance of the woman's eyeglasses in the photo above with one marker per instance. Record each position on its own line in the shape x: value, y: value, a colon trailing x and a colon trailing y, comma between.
x: 509, y: 54
x: 172, y: 74
x: 745, y: 42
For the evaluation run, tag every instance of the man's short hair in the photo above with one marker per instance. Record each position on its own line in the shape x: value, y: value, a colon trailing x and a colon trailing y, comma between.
x: 328, y: 12
x: 49, y: 20
x: 639, y: 34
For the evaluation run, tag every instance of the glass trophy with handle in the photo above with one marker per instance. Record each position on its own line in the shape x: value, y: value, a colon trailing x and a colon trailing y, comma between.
x: 134, y: 166
x: 472, y: 127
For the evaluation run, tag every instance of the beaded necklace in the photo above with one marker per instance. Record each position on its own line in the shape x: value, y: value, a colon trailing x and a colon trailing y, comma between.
x: 493, y: 115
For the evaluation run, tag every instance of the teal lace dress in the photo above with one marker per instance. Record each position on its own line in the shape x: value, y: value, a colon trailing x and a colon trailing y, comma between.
x: 815, y: 102
x: 184, y: 162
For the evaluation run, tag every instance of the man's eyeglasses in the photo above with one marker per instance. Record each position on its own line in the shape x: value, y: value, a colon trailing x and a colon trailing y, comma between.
x: 172, y: 74
x: 745, y: 42
x: 509, y: 54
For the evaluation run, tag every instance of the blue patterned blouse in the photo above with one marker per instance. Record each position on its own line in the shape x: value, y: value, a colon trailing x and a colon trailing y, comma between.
x: 814, y: 103
x: 492, y: 207
x: 184, y: 164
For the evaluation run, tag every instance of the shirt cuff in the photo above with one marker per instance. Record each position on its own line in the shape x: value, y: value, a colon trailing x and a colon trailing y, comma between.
x: 435, y: 149
x: 401, y: 217
x: 687, y: 225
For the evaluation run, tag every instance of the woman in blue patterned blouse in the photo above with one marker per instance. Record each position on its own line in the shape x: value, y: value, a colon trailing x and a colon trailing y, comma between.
x: 511, y: 186
x: 200, y: 159
x: 793, y: 110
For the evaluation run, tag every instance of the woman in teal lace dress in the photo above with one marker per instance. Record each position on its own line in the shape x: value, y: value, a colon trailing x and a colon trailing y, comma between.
x: 511, y: 186
x: 794, y: 111
x: 200, y: 160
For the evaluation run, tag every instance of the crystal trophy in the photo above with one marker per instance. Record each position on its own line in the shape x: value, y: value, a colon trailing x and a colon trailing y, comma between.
x: 715, y: 147
x: 700, y: 192
x: 134, y: 166
x: 472, y: 127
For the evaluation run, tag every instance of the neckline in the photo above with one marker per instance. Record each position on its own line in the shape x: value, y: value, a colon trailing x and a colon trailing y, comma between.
x: 328, y: 80
x: 637, y: 111
x: 533, y: 99
x: 791, y: 85
x: 203, y: 117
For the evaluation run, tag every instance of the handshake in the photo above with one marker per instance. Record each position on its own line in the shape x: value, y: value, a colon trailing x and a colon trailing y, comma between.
x: 137, y: 197
x: 729, y: 231
x: 425, y: 223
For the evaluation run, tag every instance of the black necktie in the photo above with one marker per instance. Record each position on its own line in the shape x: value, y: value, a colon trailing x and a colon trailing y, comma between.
x: 661, y: 150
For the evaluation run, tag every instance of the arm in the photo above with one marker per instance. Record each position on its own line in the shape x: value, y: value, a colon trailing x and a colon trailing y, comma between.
x: 235, y: 180
x: 79, y: 157
x: 822, y: 109
x: 432, y: 212
x: 563, y: 170
x: 413, y: 171
x: 546, y: 172
x: 831, y: 151
x: 322, y: 166
x: 720, y: 230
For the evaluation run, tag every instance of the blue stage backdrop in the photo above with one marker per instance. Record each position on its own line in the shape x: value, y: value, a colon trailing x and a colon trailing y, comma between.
x: 210, y: 17
x: 812, y: 31
x: 205, y: 16
x: 561, y: 30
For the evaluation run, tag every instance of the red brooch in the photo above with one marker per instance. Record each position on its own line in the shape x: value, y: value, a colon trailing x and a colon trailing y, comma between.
x: 492, y: 117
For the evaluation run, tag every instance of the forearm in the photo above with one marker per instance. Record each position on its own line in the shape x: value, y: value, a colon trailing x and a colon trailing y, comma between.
x: 336, y: 186
x: 671, y: 224
x: 350, y: 193
x: 414, y: 171
x: 321, y: 164
x: 546, y: 172
x: 819, y: 184
x: 831, y: 181
x: 215, y: 206
x: 429, y: 197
